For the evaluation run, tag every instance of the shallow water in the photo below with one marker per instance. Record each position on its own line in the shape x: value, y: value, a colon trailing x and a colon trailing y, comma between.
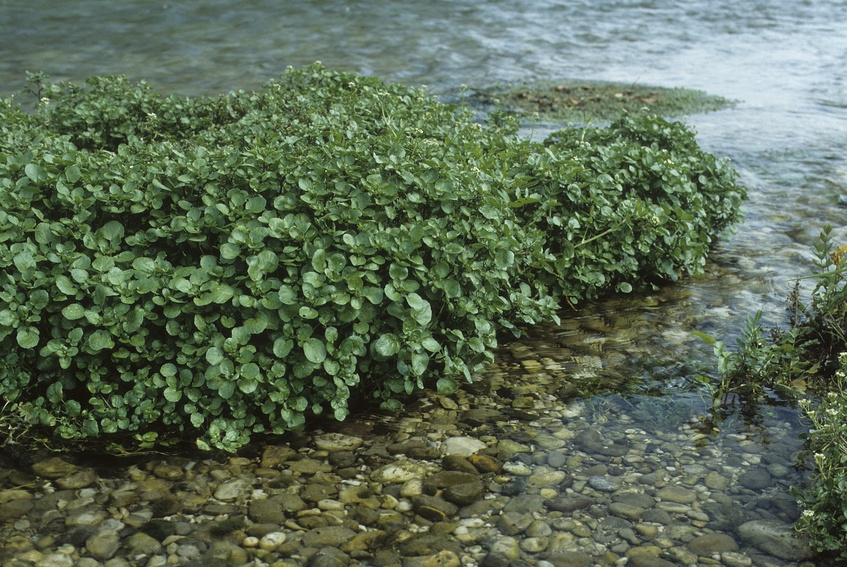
x: 784, y: 61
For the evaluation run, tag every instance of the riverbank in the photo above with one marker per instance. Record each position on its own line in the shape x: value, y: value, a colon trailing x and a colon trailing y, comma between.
x: 503, y: 473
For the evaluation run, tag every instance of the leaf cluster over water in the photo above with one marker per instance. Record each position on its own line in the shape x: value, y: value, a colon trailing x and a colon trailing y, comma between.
x: 220, y: 267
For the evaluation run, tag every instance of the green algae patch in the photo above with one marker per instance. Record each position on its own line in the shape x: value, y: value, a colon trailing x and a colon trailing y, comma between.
x: 585, y: 101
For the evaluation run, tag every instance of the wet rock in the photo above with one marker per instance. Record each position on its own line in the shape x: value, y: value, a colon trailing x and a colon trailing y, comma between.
x: 274, y: 455
x: 508, y: 547
x: 104, y: 544
x: 556, y: 460
x: 15, y: 509
x: 142, y: 544
x: 756, y: 479
x: 434, y: 508
x: 649, y: 561
x: 496, y: 560
x: 54, y: 468
x: 677, y: 494
x: 605, y: 483
x: 337, y: 442
x: 608, y: 529
x: 266, y: 511
x: 232, y: 489
x: 485, y: 464
x: 568, y: 503
x: 459, y: 464
x: 571, y: 559
x: 78, y: 479
x: 513, y: 523
x: 525, y: 504
x: 316, y: 492
x: 708, y: 544
x: 626, y: 511
x: 546, y: 479
x: 465, y: 494
x: 716, y: 481
x: 535, y: 544
x: 399, y: 472
x: 308, y: 467
x: 444, y: 558
x: 774, y: 538
x: 329, y: 557
x: 462, y: 446
x: 506, y: 449
x: 168, y: 471
x: 328, y: 536
x: 733, y: 559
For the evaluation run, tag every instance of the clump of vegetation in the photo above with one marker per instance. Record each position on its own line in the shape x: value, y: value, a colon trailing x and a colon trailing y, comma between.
x: 585, y: 101
x: 807, y: 361
x: 220, y: 267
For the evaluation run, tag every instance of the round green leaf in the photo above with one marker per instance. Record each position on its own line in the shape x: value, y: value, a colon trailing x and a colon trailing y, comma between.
x: 386, y: 345
x: 215, y: 355
x: 27, y: 337
x: 315, y: 350
x: 100, y: 340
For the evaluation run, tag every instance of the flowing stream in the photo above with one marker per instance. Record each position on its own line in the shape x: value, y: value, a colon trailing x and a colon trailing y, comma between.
x: 785, y: 61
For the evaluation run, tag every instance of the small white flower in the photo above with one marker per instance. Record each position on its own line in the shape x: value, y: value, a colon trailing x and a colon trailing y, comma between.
x: 808, y: 514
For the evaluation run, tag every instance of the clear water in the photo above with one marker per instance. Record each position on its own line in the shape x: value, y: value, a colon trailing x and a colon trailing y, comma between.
x: 784, y: 60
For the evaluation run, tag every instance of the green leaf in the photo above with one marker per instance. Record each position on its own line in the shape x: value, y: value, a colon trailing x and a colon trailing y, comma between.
x: 386, y: 345
x: 314, y: 350
x: 230, y: 251
x: 420, y: 361
x: 421, y: 310
x: 28, y: 337
x: 35, y: 173
x: 100, y: 340
x: 73, y: 174
x: 226, y: 389
x: 215, y: 356
x: 282, y: 347
x: 39, y: 298
x: 431, y: 344
x: 172, y: 394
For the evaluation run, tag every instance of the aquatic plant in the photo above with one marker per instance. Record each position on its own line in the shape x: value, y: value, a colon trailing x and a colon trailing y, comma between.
x: 808, y: 362
x: 220, y: 267
x: 595, y: 101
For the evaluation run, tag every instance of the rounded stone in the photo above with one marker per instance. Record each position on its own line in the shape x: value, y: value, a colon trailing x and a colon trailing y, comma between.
x: 104, y: 544
x: 546, y: 479
x: 266, y: 511
x: 327, y: 536
x: 337, y: 442
x: 678, y: 494
x: 53, y: 468
x: 708, y: 544
x: 716, y: 481
x: 756, y: 479
x: 78, y: 479
x: 535, y: 544
x: 626, y: 511
x: 399, y: 472
x: 508, y: 547
x: 271, y: 541
x: 604, y: 483
x: 461, y: 446
x: 232, y: 489
x: 774, y: 538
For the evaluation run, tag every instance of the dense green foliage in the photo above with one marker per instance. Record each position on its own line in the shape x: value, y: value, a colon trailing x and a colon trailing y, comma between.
x: 810, y: 358
x: 230, y: 265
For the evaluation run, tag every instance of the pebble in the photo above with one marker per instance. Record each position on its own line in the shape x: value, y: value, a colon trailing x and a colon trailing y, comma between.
x: 473, y: 480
